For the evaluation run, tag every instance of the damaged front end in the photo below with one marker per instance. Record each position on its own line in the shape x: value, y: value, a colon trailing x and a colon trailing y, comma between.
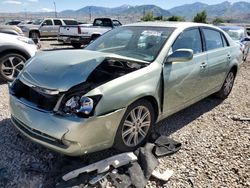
x: 73, y: 101
x: 63, y: 117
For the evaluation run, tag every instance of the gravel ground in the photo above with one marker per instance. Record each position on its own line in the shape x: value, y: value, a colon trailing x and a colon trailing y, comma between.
x: 215, y: 152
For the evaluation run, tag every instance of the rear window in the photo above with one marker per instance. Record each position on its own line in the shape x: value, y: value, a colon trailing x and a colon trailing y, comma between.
x: 70, y: 22
x: 102, y: 22
x: 116, y: 23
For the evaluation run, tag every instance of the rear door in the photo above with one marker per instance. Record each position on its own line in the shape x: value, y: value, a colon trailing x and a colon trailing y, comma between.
x: 182, y: 80
x: 218, y: 58
x: 56, y: 26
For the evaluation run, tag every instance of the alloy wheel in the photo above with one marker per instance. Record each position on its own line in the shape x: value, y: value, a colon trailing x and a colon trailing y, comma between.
x: 12, y: 66
x: 136, y: 126
x: 229, y: 83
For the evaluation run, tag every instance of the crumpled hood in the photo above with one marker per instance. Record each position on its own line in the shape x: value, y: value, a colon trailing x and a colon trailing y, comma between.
x: 60, y: 70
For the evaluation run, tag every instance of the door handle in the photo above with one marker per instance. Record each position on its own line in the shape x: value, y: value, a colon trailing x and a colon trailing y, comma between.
x: 203, y: 65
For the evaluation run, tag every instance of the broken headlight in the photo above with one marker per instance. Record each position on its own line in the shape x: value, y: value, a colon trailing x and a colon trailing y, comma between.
x: 82, y: 106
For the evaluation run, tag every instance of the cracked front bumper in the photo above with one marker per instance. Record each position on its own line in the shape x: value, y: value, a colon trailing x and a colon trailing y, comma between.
x: 68, y: 135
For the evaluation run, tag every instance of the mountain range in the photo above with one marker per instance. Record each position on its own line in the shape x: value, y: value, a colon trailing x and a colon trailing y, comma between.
x: 121, y: 11
x: 223, y: 10
x: 234, y: 11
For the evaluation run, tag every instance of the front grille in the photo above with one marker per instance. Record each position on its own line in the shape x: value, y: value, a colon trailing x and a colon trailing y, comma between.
x: 40, y: 100
x: 37, y: 134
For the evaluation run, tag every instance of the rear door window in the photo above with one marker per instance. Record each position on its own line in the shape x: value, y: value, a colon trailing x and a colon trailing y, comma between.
x: 189, y: 39
x: 213, y: 39
x: 57, y: 22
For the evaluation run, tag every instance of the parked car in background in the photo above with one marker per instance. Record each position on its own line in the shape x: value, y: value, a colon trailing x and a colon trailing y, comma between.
x: 11, y: 29
x: 83, y: 34
x: 239, y: 35
x: 13, y: 22
x: 14, y: 52
x: 48, y: 27
x: 248, y: 31
x: 25, y: 22
x: 115, y: 90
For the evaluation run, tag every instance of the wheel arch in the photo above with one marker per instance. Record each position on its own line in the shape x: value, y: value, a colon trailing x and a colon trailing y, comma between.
x: 153, y: 102
x: 234, y: 68
x: 14, y: 49
x: 34, y: 30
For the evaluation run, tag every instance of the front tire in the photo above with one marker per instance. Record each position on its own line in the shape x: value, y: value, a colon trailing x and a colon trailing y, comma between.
x: 11, y: 65
x: 34, y: 35
x: 135, y: 126
x: 227, y: 86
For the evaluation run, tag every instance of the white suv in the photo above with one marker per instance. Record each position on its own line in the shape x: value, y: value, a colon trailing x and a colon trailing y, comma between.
x: 14, y: 51
x: 48, y: 27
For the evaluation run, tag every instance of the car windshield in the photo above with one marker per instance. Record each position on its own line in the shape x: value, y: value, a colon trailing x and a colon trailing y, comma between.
x: 37, y: 22
x: 143, y: 43
x: 235, y: 34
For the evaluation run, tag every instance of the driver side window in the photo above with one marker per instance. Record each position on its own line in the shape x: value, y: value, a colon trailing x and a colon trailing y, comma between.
x: 47, y: 22
x: 189, y: 39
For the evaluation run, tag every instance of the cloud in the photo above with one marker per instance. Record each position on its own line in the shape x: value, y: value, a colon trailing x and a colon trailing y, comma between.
x: 33, y: 0
x: 12, y: 2
x: 46, y: 10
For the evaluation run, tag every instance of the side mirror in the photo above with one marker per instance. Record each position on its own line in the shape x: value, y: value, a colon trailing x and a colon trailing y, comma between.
x: 180, y: 55
x: 246, y: 39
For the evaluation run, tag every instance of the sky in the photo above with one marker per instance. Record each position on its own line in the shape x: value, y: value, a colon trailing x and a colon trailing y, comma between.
x: 48, y: 5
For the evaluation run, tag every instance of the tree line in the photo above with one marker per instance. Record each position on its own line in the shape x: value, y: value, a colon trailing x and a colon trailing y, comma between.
x: 200, y: 17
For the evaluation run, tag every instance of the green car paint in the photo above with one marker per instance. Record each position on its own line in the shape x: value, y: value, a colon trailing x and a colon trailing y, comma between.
x: 172, y: 86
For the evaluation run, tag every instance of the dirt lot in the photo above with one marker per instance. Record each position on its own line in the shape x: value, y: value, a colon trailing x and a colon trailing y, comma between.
x: 215, y: 152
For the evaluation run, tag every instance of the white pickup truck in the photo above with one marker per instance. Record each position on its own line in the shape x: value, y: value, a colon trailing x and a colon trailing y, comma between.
x: 83, y: 34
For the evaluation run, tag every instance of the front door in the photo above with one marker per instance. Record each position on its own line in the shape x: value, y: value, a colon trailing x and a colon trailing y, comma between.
x: 46, y: 28
x: 182, y: 79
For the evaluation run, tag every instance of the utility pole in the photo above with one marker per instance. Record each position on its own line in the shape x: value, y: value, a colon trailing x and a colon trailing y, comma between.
x: 25, y: 12
x: 90, y: 14
x: 55, y: 9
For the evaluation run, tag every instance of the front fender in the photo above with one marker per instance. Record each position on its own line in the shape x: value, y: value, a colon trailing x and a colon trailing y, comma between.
x: 123, y: 91
x: 6, y: 48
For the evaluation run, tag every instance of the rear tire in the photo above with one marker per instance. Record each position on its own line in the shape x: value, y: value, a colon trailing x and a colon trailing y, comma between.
x: 135, y: 126
x: 227, y: 85
x: 11, y: 65
x: 245, y: 55
x: 76, y: 45
x: 94, y: 37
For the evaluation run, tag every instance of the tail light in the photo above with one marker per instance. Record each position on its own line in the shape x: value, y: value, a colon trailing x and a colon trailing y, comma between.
x: 79, y: 29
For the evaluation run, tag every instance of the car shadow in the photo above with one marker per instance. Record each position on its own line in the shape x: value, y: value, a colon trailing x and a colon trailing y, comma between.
x: 13, y: 142
x: 60, y: 44
x: 182, y: 118
x: 48, y: 39
x: 2, y: 82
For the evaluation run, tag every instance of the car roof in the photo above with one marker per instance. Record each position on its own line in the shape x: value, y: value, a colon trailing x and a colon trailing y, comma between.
x: 59, y: 18
x: 232, y: 27
x: 171, y: 24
